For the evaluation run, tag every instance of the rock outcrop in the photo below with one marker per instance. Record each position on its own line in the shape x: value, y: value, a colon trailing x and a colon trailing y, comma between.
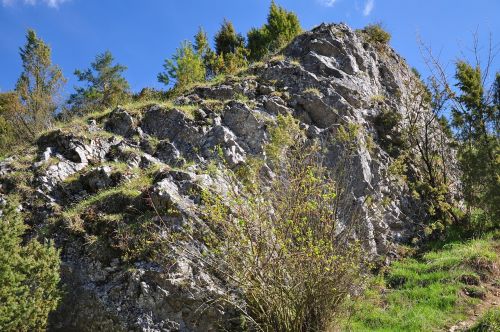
x: 104, y: 187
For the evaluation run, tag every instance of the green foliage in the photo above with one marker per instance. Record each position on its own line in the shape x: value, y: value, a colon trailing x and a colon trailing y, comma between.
x: 424, y: 294
x: 109, y: 223
x: 386, y: 124
x: 105, y: 86
x: 280, y: 245
x: 282, y: 136
x: 375, y: 33
x: 281, y: 27
x: 227, y: 40
x: 7, y: 136
x: 230, y: 53
x: 258, y: 43
x: 476, y: 118
x: 186, y: 67
x: 489, y: 322
x: 38, y: 85
x: 201, y: 45
x: 29, y: 277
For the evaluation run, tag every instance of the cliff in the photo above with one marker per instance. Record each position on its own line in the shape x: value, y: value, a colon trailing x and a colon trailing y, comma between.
x: 93, y: 186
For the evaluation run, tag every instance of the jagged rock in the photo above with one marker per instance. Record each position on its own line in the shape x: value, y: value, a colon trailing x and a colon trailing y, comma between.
x: 221, y: 92
x: 243, y: 122
x: 121, y: 123
x: 321, y: 114
x: 174, y: 126
x: 164, y: 195
x: 330, y: 84
x: 266, y: 89
x: 54, y: 174
x: 147, y: 161
x: 68, y: 145
x: 276, y: 105
x: 98, y: 178
x: 222, y: 138
x: 163, y: 123
x: 168, y: 153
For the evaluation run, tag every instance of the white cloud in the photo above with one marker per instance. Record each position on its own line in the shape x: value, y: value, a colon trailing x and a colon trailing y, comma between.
x: 50, y: 3
x: 369, y: 4
x: 327, y: 3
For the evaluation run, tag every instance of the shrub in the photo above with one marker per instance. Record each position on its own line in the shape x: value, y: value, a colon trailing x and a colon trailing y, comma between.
x: 375, y: 33
x: 278, y: 240
x: 386, y: 125
x: 29, y: 277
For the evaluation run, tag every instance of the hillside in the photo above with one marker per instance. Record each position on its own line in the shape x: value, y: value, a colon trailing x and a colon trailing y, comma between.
x: 110, y: 188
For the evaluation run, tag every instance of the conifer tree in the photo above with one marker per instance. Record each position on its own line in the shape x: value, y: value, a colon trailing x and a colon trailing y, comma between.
x: 227, y: 40
x: 231, y: 54
x: 29, y: 277
x: 281, y: 27
x: 476, y: 117
x: 201, y: 45
x: 186, y: 67
x: 38, y: 84
x: 105, y: 85
x: 214, y: 64
x: 14, y: 126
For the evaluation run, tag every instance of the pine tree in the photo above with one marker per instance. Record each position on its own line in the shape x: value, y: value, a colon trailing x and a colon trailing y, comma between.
x: 231, y: 54
x: 38, y: 85
x: 227, y: 40
x: 281, y: 27
x: 186, y: 67
x: 258, y: 43
x: 476, y: 117
x: 29, y: 277
x: 14, y: 130
x: 105, y: 85
x: 201, y: 45
x: 214, y: 64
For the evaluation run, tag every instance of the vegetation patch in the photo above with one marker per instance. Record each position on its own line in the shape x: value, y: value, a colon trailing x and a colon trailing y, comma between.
x: 425, y: 293
x: 375, y: 33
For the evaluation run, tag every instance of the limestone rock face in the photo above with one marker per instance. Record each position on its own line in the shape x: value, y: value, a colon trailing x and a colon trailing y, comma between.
x: 148, y: 169
x: 121, y: 123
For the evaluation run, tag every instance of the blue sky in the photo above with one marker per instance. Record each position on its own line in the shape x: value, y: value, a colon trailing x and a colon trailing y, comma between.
x: 141, y: 34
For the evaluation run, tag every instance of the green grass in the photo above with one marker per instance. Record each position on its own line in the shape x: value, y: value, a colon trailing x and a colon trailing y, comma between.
x: 489, y: 322
x: 130, y: 188
x: 423, y: 294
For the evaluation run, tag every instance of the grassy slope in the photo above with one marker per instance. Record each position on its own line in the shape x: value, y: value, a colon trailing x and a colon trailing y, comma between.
x: 429, y: 293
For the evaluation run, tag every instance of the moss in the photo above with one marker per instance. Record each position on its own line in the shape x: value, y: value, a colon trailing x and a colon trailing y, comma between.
x: 296, y: 62
x: 129, y: 189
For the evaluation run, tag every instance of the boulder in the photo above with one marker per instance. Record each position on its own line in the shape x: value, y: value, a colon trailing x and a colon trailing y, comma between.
x: 120, y: 122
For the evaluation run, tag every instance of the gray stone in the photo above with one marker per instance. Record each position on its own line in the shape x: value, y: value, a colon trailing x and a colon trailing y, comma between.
x: 121, y: 123
x: 168, y: 153
x: 98, y: 178
x: 330, y: 83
